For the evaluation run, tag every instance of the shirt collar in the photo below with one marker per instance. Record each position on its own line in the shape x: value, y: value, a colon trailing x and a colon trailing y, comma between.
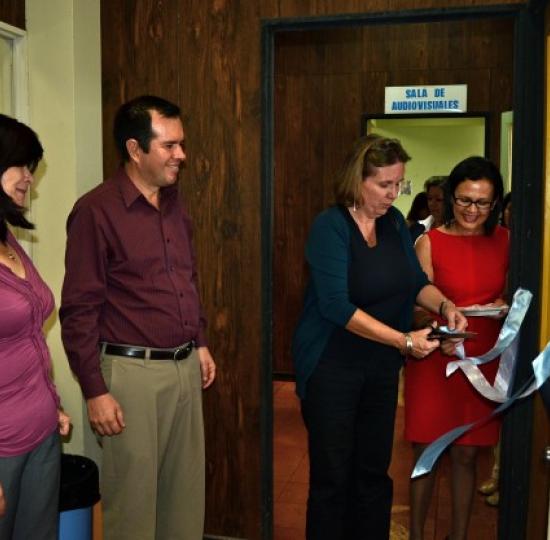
x: 428, y: 222
x: 130, y: 193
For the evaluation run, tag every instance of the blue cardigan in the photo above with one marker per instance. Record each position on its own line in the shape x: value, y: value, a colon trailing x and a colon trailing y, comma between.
x: 327, y: 304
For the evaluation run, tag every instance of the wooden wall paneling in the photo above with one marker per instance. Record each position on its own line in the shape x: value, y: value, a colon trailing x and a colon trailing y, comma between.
x: 342, y: 126
x: 297, y: 61
x: 220, y: 73
x: 297, y: 8
x: 372, y: 91
x: 268, y: 9
x: 538, y: 524
x: 317, y: 119
x: 139, y: 49
x: 376, y: 45
x: 299, y: 53
x: 408, y: 47
x: 342, y: 51
x: 298, y: 192
x: 13, y: 12
x: 304, y: 8
x: 439, y: 53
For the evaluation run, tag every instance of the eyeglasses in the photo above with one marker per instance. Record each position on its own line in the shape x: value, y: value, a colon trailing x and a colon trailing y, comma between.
x: 482, y: 206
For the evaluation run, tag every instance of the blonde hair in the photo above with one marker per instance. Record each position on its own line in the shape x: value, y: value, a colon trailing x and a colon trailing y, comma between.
x: 368, y: 152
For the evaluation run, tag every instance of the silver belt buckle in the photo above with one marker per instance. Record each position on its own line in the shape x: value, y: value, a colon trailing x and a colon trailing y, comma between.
x: 181, y: 353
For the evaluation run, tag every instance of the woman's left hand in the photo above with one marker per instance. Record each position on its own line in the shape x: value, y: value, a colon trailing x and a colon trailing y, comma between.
x: 63, y: 422
x: 455, y: 319
x: 448, y: 346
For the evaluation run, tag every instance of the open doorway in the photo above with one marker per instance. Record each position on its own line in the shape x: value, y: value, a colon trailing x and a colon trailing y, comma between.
x: 318, y: 122
x: 436, y: 143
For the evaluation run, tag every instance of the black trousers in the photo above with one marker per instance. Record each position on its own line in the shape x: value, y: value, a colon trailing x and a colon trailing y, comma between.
x: 349, y: 412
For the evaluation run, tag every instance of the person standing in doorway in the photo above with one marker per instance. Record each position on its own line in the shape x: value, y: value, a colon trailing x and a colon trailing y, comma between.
x: 351, y: 338
x: 134, y: 331
x: 433, y: 187
x: 467, y: 259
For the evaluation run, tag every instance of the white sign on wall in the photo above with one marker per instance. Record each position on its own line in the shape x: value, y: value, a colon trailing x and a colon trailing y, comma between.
x: 426, y: 99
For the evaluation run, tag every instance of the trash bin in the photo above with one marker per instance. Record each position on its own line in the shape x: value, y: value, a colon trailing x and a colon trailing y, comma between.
x: 79, y: 491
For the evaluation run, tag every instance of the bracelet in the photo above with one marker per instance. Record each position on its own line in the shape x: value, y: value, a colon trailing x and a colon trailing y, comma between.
x: 443, y: 302
x: 408, y: 343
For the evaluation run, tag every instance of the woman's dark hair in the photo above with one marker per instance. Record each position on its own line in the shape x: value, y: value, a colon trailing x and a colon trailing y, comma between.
x: 19, y: 147
x: 475, y: 168
x: 419, y: 207
x: 434, y: 181
x: 133, y: 121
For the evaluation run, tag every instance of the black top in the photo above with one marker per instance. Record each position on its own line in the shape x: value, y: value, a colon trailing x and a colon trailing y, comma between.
x: 380, y: 283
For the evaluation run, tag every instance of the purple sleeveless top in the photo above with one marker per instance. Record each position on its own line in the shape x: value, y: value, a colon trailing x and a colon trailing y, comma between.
x: 28, y: 398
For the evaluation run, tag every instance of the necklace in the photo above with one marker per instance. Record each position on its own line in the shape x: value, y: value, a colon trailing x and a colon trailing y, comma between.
x: 10, y: 254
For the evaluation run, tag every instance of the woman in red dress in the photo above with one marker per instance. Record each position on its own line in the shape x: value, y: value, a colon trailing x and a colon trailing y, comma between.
x: 467, y: 259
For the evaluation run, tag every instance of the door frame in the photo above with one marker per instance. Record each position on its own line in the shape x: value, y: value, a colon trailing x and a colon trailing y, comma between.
x: 526, y: 252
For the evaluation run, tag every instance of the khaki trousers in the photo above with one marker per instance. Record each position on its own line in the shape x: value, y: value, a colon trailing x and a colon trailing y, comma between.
x: 152, y: 480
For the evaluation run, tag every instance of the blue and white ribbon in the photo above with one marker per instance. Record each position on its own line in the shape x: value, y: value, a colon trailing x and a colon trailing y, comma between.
x: 506, y: 345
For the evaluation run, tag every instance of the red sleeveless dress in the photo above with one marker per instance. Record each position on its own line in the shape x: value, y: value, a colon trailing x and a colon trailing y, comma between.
x: 468, y: 270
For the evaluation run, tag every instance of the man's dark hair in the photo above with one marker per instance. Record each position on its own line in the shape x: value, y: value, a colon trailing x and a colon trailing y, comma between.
x: 475, y: 168
x: 133, y: 121
x: 19, y: 147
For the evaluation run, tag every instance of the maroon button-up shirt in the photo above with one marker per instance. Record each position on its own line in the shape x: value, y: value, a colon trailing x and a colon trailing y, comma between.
x: 130, y: 277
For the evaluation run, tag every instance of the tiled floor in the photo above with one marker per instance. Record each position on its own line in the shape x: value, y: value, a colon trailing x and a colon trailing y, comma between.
x: 291, y: 479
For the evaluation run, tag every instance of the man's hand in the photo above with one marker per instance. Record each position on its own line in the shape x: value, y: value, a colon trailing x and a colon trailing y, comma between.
x: 2, y: 502
x: 105, y: 415
x: 208, y: 367
x: 63, y: 422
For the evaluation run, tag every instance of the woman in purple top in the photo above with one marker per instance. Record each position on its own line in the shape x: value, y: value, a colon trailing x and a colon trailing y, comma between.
x: 30, y: 415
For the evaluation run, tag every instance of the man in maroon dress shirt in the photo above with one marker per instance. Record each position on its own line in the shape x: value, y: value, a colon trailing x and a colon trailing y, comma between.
x: 134, y: 332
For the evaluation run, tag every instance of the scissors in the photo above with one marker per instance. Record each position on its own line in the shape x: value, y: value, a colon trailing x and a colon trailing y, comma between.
x: 442, y: 333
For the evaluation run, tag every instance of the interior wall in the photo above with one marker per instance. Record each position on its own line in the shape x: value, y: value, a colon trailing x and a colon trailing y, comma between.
x: 207, y: 57
x: 65, y: 111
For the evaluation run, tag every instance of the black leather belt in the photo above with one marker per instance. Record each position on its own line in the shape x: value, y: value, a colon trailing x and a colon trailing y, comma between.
x: 178, y: 353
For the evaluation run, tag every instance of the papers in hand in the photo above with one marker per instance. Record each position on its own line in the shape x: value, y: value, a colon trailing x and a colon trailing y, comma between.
x: 483, y: 311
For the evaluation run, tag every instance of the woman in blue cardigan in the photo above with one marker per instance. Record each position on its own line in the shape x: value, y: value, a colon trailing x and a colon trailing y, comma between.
x: 351, y: 339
